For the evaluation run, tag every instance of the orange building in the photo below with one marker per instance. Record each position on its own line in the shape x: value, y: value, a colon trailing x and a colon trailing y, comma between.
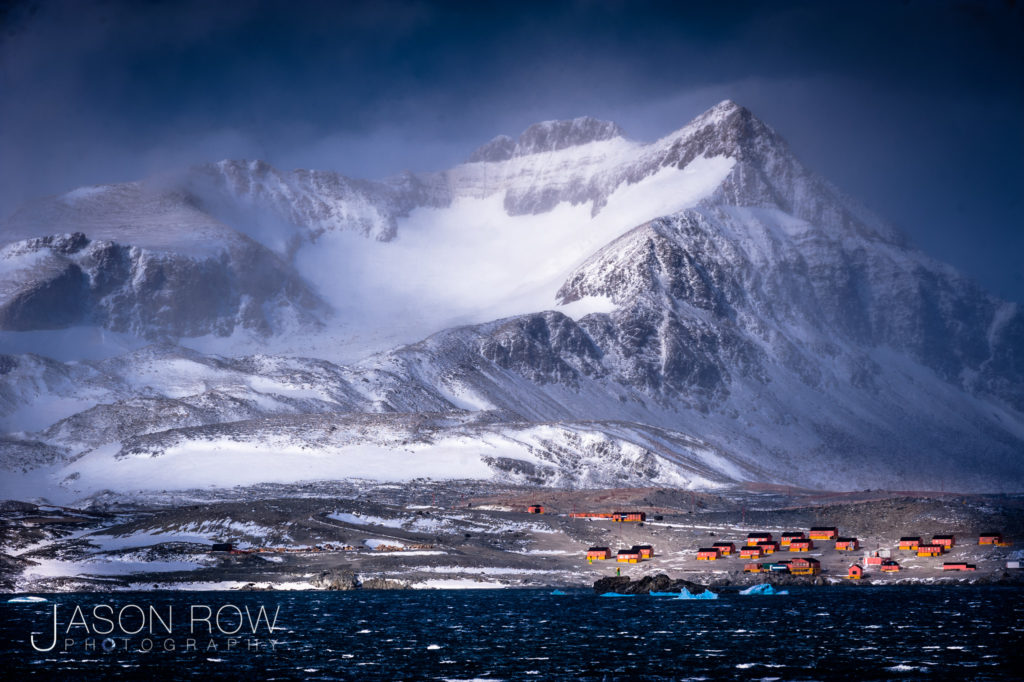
x: 930, y: 550
x: 958, y: 566
x: 633, y: 516
x: 789, y: 537
x: 755, y: 538
x: 889, y: 566
x: 707, y: 554
x: 910, y: 542
x: 725, y: 548
x: 598, y: 554
x: 628, y: 556
x: 946, y: 541
x: 646, y: 551
x: 804, y: 566
x: 535, y: 509
x: 824, y: 533
x: 990, y: 539
x: 750, y: 552
x: 856, y: 572
x: 847, y: 544
x: 801, y: 545
x: 768, y: 547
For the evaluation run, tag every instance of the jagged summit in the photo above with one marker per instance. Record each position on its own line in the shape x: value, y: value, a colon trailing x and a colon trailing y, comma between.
x: 548, y: 136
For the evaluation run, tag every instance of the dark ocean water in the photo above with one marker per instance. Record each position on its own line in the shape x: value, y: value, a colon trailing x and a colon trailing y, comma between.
x: 866, y: 633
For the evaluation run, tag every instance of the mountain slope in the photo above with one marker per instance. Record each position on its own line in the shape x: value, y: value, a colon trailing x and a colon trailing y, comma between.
x: 695, y: 311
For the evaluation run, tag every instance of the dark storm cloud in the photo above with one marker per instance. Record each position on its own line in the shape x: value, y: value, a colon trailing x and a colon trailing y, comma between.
x: 914, y: 107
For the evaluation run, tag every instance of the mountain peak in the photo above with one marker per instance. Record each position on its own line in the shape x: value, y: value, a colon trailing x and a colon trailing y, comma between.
x: 548, y: 136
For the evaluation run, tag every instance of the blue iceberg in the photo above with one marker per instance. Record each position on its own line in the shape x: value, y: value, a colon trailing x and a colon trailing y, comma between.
x: 558, y: 593
x: 706, y: 594
x: 764, y: 589
x: 616, y: 594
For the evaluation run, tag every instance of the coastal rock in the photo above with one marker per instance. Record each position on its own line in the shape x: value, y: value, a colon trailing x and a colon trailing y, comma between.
x: 645, y: 585
x: 336, y: 580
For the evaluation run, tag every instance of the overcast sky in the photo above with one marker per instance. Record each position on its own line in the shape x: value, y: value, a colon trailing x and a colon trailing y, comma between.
x: 916, y: 107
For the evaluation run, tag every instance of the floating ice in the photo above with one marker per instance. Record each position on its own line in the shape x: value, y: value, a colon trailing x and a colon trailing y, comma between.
x: 706, y: 594
x: 762, y: 590
x: 25, y: 600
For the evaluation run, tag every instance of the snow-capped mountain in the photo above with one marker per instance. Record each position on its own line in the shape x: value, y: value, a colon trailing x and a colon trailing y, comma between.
x: 574, y: 308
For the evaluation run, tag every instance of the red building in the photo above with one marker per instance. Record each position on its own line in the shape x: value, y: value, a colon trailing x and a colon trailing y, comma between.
x: 707, y: 554
x: 990, y: 539
x: 910, y: 542
x: 752, y: 568
x: 768, y: 547
x: 535, y: 509
x: 856, y: 572
x: 930, y: 550
x: 755, y: 538
x: 646, y: 551
x: 633, y: 516
x: 750, y: 553
x: 725, y: 548
x: 801, y: 545
x: 599, y: 554
x: 824, y: 533
x: 847, y: 544
x: 628, y: 556
x: 958, y: 566
x: 889, y: 566
x: 946, y: 541
x: 804, y: 566
x: 789, y: 537
x: 873, y: 560
x: 589, y: 515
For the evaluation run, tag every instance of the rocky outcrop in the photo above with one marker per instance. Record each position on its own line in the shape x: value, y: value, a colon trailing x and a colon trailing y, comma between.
x: 645, y: 585
x: 344, y: 579
x: 69, y: 280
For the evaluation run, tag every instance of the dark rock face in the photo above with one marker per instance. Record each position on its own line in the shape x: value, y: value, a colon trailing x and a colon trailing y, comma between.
x: 645, y: 585
x: 500, y: 148
x: 547, y: 136
x: 546, y: 347
x: 155, y: 294
x: 550, y: 136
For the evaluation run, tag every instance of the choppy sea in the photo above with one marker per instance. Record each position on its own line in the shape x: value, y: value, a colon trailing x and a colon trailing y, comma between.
x: 862, y: 633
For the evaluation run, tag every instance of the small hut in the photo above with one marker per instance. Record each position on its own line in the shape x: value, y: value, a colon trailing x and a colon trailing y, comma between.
x: 598, y: 554
x: 628, y: 556
x: 707, y: 554
x: 801, y: 545
x: 946, y: 541
x: 754, y: 538
x: 856, y: 572
x: 535, y: 509
x: 725, y: 548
